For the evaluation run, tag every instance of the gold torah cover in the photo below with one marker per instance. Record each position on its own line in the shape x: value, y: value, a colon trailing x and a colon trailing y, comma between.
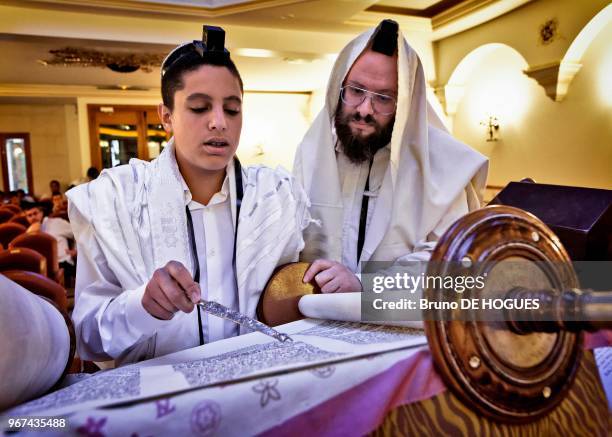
x: 278, y: 303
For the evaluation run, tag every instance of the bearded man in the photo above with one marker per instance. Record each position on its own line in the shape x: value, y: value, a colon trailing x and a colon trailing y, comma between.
x: 384, y: 177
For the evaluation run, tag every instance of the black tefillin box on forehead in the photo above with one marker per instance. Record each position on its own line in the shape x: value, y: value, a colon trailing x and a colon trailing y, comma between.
x: 213, y: 43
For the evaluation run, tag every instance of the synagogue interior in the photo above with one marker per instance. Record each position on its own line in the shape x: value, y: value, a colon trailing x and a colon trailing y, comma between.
x: 527, y: 84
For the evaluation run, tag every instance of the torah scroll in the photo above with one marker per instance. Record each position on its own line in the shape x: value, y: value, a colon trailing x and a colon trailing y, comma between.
x: 35, y: 341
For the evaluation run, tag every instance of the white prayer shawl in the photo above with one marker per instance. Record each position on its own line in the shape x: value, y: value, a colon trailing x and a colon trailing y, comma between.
x: 426, y: 178
x: 137, y: 212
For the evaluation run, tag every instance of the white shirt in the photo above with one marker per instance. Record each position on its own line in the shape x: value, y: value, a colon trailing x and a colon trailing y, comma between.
x: 132, y: 220
x: 352, y: 182
x: 112, y: 322
x: 214, y: 234
x: 61, y: 230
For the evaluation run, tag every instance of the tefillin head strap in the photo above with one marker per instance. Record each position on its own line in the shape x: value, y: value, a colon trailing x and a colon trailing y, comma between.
x: 211, y: 47
x: 384, y: 39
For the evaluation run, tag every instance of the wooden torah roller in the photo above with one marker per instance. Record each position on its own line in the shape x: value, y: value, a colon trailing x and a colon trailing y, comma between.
x: 279, y: 301
x: 510, y: 370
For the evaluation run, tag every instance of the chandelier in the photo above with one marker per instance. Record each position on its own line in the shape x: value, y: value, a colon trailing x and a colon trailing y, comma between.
x: 118, y: 62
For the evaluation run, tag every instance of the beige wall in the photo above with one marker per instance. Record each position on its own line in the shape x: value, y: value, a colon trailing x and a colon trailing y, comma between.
x: 51, y: 140
x: 568, y: 142
x: 520, y: 29
x: 273, y: 123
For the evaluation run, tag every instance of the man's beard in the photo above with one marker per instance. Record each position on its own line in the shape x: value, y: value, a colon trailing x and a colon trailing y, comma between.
x: 359, y: 149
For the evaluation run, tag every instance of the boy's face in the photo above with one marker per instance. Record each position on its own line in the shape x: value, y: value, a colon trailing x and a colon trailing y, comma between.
x: 34, y: 215
x: 58, y: 201
x: 207, y: 118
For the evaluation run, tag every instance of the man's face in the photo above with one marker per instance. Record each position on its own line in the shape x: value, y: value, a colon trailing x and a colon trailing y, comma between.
x: 361, y: 129
x: 34, y: 215
x: 207, y: 118
x: 55, y: 187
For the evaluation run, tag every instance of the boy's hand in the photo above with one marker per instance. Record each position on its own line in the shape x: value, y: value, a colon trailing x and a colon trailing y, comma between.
x: 171, y: 289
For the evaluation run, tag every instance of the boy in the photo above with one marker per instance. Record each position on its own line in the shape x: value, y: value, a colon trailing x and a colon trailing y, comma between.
x: 155, y: 238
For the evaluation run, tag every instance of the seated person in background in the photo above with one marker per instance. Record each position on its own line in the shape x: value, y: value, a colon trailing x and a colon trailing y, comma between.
x: 156, y: 237
x: 54, y: 189
x: 92, y: 173
x: 54, y: 186
x: 23, y: 197
x: 384, y: 176
x: 13, y: 198
x: 57, y: 227
x: 60, y: 204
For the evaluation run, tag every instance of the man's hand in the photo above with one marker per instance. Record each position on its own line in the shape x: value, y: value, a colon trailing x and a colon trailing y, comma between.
x: 332, y: 277
x: 171, y: 289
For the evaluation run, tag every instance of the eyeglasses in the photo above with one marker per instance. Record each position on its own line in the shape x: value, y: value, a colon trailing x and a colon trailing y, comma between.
x: 355, y: 96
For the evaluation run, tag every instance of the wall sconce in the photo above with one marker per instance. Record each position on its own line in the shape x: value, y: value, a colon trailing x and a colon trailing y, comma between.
x: 259, y: 150
x: 492, y: 126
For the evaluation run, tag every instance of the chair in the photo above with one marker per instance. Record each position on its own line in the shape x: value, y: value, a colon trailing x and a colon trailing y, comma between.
x: 40, y: 285
x: 8, y: 231
x: 21, y: 219
x: 23, y: 259
x: 14, y: 208
x: 5, y: 215
x: 46, y: 245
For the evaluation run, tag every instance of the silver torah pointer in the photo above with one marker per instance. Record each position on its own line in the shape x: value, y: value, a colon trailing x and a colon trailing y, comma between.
x: 216, y: 309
